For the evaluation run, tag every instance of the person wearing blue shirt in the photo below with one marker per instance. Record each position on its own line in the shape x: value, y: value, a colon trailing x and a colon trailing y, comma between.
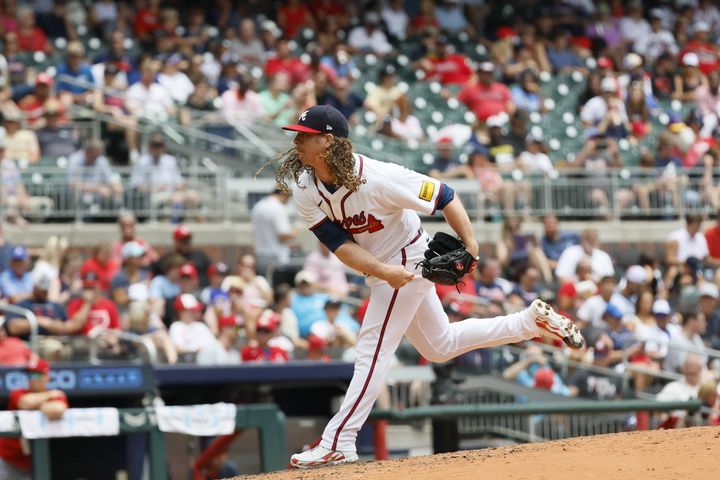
x: 554, y: 242
x: 15, y: 282
x: 5, y: 251
x: 308, y: 305
x: 81, y: 89
x: 45, y: 311
x: 525, y: 371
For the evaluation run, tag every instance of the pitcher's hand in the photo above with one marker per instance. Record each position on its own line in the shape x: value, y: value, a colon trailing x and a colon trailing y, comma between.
x: 397, y: 276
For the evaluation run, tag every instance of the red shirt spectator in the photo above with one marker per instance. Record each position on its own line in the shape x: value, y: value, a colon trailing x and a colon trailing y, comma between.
x: 705, y: 52
x: 147, y: 20
x: 260, y: 350
x: 466, y: 288
x: 712, y: 236
x: 33, y: 40
x: 283, y: 62
x: 105, y: 271
x: 12, y: 350
x: 103, y: 314
x: 450, y: 69
x: 292, y: 17
x: 486, y: 97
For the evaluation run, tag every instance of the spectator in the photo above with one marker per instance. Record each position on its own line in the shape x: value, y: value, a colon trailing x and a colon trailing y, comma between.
x: 554, y: 241
x: 247, y: 48
x: 712, y: 238
x: 91, y: 179
x: 446, y: 163
x: 142, y: 321
x: 663, y: 76
x: 699, y: 44
x: 80, y: 90
x: 16, y: 282
x: 13, y: 351
x: 451, y: 18
x: 617, y: 342
x: 131, y: 275
x: 223, y: 351
x: 47, y: 312
x: 16, y: 201
x: 30, y: 37
x: 446, y: 67
x: 283, y: 61
x: 592, y: 310
x: 91, y: 314
x: 657, y: 41
x: 56, y: 138
x: 625, y: 299
x: 157, y: 175
x: 561, y: 56
x: 272, y: 231
x: 533, y: 158
x: 307, y: 303
x: 683, y: 243
x: 346, y: 100
x: 688, y: 341
x: 293, y: 16
x: 486, y: 97
x: 527, y: 95
x: 488, y: 287
x: 182, y: 245
x: 337, y: 334
x: 128, y: 233
x: 15, y: 463
x: 329, y: 271
x: 385, y: 95
x: 241, y: 104
x: 275, y: 102
x: 708, y: 306
x: 689, y: 79
x: 256, y: 286
x: 516, y: 251
x: 685, y: 388
x: 34, y: 105
x: 633, y: 26
x: 49, y: 262
x: 165, y: 286
x: 533, y: 371
x: 189, y: 334
x: 405, y: 125
x: 6, y: 249
x: 707, y: 98
x: 147, y: 21
x: 118, y: 56
x: 368, y: 37
x: 261, y: 349
x: 146, y: 98
x: 102, y: 264
x: 606, y: 114
x: 21, y: 144
x: 104, y: 17
x: 174, y: 80
x: 601, y: 262
x: 527, y: 289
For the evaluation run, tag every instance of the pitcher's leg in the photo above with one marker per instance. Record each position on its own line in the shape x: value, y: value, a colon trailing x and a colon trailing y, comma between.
x: 438, y: 340
x: 388, y: 316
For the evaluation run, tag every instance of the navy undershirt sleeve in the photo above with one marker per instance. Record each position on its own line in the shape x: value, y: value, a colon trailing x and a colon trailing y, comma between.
x: 331, y: 234
x: 445, y: 196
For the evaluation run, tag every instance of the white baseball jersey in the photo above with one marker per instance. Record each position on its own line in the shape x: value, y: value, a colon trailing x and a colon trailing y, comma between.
x: 381, y: 217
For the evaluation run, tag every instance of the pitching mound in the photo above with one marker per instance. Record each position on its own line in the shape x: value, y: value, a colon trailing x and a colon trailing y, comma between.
x: 663, y: 454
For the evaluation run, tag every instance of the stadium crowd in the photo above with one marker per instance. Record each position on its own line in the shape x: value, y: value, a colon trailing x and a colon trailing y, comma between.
x: 250, y: 61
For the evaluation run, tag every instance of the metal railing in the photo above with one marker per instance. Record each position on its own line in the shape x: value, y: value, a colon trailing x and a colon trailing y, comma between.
x: 140, y: 340
x: 31, y: 318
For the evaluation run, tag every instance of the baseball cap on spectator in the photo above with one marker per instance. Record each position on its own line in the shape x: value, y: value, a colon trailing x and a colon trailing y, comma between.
x: 567, y: 290
x: 695, y: 265
x: 52, y: 107
x: 534, y: 137
x: 42, y: 282
x: 690, y: 59
x: 675, y: 123
x: 305, y: 276
x: 321, y: 119
x: 37, y: 365
x: 655, y: 14
x: 232, y: 282
x: 708, y: 290
x: 43, y: 78
x: 132, y: 249
x: 189, y: 270
x: 270, y: 26
x: 227, y: 321
x: 111, y: 68
x: 19, y: 253
x: 316, y: 342
x: 218, y: 268
x: 371, y: 18
x: 544, y: 378
x: 608, y: 85
x: 605, y: 62
x: 333, y: 302
x: 661, y: 307
x: 636, y: 274
x: 89, y: 278
x: 613, y: 311
x: 586, y: 288
x: 699, y: 27
x: 478, y: 149
x: 187, y: 302
x: 505, y: 32
x: 495, y: 121
x: 487, y: 67
x: 444, y: 140
x: 12, y: 114
x: 182, y: 232
x: 269, y: 321
x: 632, y: 60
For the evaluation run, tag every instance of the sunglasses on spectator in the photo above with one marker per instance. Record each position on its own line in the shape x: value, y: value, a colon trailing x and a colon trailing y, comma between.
x: 264, y: 330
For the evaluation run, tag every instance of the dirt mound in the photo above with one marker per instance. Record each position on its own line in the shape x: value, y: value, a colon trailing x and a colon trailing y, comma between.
x: 662, y: 454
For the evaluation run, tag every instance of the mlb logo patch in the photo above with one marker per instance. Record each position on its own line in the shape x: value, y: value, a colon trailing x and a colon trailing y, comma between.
x: 426, y: 191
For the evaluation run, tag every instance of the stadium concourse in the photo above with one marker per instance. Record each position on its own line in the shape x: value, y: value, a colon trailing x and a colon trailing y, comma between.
x: 582, y: 136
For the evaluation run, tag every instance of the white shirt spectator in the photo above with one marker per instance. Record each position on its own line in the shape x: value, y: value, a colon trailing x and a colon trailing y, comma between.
x: 601, y: 262
x: 633, y: 29
x: 242, y: 110
x: 654, y: 44
x: 154, y: 100
x: 98, y: 173
x: 410, y: 129
x: 269, y: 218
x: 536, y: 162
x: 179, y: 86
x: 684, y: 346
x: 688, y: 246
x: 656, y: 340
x: 710, y: 15
x: 330, y: 272
x: 376, y: 41
x: 592, y: 310
x: 215, y: 354
x: 191, y: 337
x: 596, y: 108
x: 156, y: 174
x: 396, y: 21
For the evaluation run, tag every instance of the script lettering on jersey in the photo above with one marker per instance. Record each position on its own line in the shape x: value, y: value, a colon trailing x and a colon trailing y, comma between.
x: 360, y: 223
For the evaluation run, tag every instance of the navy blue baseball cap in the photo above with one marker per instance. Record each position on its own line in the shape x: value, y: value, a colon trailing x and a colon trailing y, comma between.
x: 321, y: 119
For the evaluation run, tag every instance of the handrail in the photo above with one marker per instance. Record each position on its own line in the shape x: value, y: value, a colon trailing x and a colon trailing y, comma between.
x: 31, y: 318
x: 127, y: 336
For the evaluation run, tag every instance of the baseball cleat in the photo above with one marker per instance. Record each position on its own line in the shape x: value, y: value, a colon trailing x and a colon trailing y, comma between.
x: 552, y: 322
x: 321, y: 457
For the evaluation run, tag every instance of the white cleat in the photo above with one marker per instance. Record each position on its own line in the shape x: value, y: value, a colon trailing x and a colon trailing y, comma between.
x: 552, y: 322
x: 321, y: 457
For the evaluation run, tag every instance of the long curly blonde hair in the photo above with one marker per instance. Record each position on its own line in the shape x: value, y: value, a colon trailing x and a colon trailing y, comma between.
x: 338, y: 156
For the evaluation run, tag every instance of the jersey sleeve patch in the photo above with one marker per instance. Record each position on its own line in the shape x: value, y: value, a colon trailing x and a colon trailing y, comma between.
x: 426, y: 191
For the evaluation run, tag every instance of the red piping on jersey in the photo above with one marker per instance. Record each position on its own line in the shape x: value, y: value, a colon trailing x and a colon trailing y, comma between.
x: 436, y: 199
x: 372, y: 365
x: 419, y: 233
x: 342, y: 202
x: 326, y: 219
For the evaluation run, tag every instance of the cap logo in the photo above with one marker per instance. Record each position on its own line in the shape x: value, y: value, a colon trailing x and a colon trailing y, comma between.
x: 304, y: 115
x: 328, y: 127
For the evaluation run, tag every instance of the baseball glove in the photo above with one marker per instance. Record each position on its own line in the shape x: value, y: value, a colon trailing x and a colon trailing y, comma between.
x: 446, y: 260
